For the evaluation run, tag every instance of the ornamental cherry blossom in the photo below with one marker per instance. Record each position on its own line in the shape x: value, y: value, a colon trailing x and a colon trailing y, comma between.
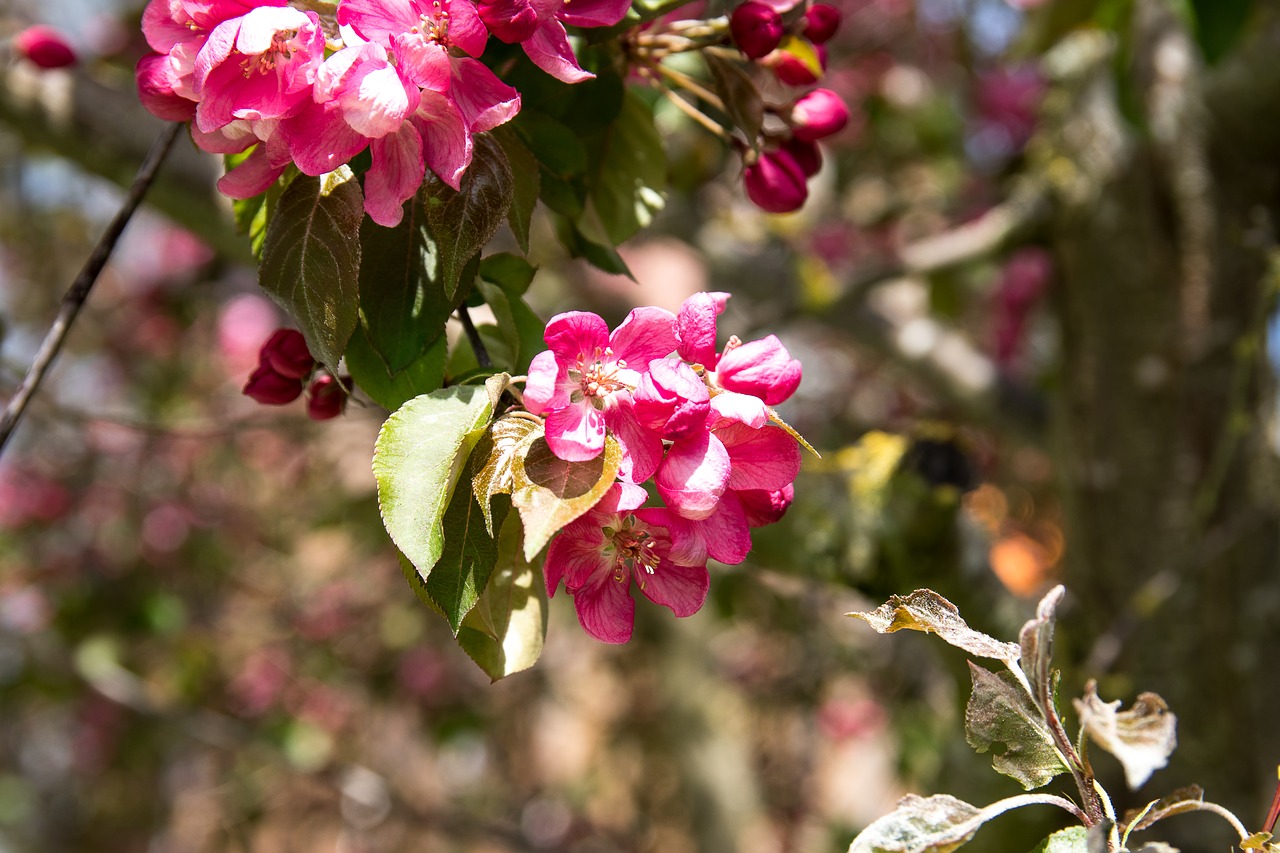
x: 600, y: 555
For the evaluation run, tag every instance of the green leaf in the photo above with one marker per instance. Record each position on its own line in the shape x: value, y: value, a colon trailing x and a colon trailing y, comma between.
x: 469, y: 555
x: 1142, y: 738
x: 421, y: 451
x: 513, y: 273
x: 601, y: 257
x: 525, y: 184
x: 1219, y: 24
x: 1002, y: 717
x: 403, y: 307
x: 925, y: 610
x: 496, y: 453
x: 1073, y: 839
x: 550, y: 493
x: 462, y: 221
x: 311, y: 259
x: 630, y: 174
x: 521, y: 328
x: 505, y: 631
x: 424, y: 375
x: 937, y: 824
x: 557, y: 147
x: 741, y: 97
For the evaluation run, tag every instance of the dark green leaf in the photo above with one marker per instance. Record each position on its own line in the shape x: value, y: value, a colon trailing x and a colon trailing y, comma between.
x: 521, y: 328
x: 1219, y: 24
x: 370, y: 372
x: 403, y: 307
x: 504, y: 632
x: 420, y: 453
x: 630, y: 175
x: 525, y: 184
x: 311, y: 259
x: 469, y: 554
x: 550, y: 493
x: 741, y: 97
x: 1002, y: 717
x: 510, y: 272
x: 461, y: 222
x: 566, y: 196
x: 596, y: 103
x: 601, y: 257
x: 558, y: 148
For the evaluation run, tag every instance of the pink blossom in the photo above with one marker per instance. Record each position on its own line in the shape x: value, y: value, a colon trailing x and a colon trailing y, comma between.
x: 818, y: 114
x: 259, y: 66
x: 327, y: 397
x: 45, y: 47
x: 694, y: 475
x: 766, y: 507
x: 672, y: 400
x: 599, y: 555
x: 286, y: 353
x: 696, y: 327
x: 761, y: 369
x: 548, y: 45
x: 821, y: 21
x: 584, y: 385
x: 766, y: 458
x: 271, y: 388
x: 421, y: 32
x: 775, y: 182
x: 723, y: 535
x: 756, y: 28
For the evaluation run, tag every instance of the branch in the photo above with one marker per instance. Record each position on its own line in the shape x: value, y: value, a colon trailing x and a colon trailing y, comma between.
x: 473, y: 336
x: 79, y: 290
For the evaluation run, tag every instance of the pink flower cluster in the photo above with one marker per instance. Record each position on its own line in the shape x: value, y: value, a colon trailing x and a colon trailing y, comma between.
x: 404, y: 82
x: 696, y: 421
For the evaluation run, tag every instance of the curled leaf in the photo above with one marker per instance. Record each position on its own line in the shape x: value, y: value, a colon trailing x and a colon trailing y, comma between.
x: 937, y: 824
x: 1142, y: 738
x: 1036, y: 639
x: 925, y: 610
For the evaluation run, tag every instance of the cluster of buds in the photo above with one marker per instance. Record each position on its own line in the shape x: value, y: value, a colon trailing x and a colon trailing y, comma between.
x: 696, y: 422
x: 286, y: 368
x: 404, y: 82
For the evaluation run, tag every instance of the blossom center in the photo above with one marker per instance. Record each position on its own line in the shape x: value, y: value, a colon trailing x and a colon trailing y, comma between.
x: 266, y: 61
x: 597, y: 376
x: 635, y: 549
x: 434, y: 27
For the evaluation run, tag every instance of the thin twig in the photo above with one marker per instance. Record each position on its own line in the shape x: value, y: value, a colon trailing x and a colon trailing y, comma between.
x: 76, y: 295
x: 473, y: 335
x: 685, y: 81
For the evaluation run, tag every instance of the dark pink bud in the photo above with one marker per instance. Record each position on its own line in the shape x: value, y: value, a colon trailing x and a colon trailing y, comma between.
x: 776, y: 182
x: 818, y: 114
x: 286, y: 353
x: 44, y: 46
x: 326, y: 398
x: 765, y: 507
x: 511, y: 21
x: 794, y: 71
x: 757, y: 29
x: 821, y: 22
x: 270, y: 388
x: 806, y: 155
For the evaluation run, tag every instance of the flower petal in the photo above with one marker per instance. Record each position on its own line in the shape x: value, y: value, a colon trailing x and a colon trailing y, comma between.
x: 575, y: 433
x: 484, y: 100
x: 645, y: 334
x: 694, y: 475
x: 576, y: 333
x: 763, y: 507
x: 683, y: 589
x: 575, y: 556
x: 395, y: 175
x: 730, y: 407
x: 594, y: 13
x: 765, y: 458
x: 641, y: 448
x: 605, y: 608
x: 760, y: 368
x: 446, y: 143
x: 725, y: 531
x: 695, y: 327
x: 549, y: 49
x: 540, y: 386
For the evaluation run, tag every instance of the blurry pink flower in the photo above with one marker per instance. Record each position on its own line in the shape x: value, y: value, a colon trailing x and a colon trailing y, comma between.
x: 286, y: 353
x: 757, y: 29
x: 599, y: 555
x: 259, y: 66
x: 583, y: 384
x: 327, y: 397
x: 45, y: 47
x: 775, y: 182
x: 243, y: 324
x: 270, y: 388
x: 806, y: 154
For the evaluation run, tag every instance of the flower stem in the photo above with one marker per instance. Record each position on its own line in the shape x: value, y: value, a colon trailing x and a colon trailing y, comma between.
x: 473, y: 336
x: 76, y: 295
x: 686, y: 82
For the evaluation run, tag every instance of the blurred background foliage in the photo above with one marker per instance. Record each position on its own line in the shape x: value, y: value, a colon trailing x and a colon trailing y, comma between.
x: 1030, y: 290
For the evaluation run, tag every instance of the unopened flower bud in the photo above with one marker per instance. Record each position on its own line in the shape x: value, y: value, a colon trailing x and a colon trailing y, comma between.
x: 270, y: 388
x: 671, y: 399
x: 806, y: 154
x: 818, y: 115
x: 286, y: 353
x: 821, y: 22
x: 762, y: 368
x: 794, y: 71
x: 44, y: 46
x: 326, y: 398
x: 765, y: 507
x: 511, y: 21
x: 757, y: 28
x: 776, y: 182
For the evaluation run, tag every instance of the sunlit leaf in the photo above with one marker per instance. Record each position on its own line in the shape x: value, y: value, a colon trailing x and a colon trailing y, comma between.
x: 421, y: 451
x: 550, y: 493
x: 311, y: 259
x: 630, y: 174
x: 937, y: 824
x: 1142, y: 738
x: 424, y: 375
x: 504, y: 632
x: 1002, y: 718
x: 496, y: 452
x: 462, y: 221
x: 1073, y: 839
x: 740, y: 94
x: 925, y: 610
x: 468, y: 556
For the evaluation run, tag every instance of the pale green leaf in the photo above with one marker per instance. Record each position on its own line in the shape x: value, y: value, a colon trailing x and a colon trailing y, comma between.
x: 496, y: 453
x: 937, y: 824
x: 421, y: 451
x: 1073, y: 839
x: 1002, y: 717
